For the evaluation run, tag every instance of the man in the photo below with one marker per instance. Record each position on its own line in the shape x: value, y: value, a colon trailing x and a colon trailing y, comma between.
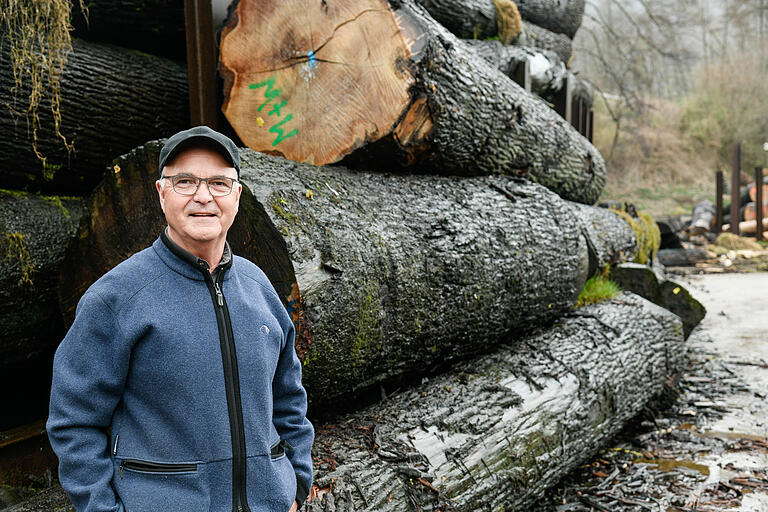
x: 177, y: 387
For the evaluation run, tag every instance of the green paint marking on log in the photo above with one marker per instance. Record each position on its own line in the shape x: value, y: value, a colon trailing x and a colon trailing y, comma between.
x: 17, y: 251
x: 271, y: 93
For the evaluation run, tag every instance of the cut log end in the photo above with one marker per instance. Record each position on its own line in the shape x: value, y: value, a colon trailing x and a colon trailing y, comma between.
x: 289, y: 89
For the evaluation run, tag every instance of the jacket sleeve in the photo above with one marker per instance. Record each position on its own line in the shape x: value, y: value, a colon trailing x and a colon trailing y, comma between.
x: 89, y: 371
x: 289, y: 415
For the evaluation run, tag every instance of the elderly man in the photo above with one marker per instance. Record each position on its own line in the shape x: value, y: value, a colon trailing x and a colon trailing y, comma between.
x: 178, y: 387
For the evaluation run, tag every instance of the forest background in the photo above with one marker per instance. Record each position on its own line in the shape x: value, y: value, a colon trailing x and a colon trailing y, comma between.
x: 677, y: 83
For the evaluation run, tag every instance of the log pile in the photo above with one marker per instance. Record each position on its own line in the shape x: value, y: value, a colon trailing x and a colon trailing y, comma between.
x: 420, y: 97
x: 447, y: 245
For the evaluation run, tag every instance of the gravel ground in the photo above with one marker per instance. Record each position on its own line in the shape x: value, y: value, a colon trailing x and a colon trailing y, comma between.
x: 708, y: 450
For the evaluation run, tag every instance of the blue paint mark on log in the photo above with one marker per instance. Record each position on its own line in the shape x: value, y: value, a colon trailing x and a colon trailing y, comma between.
x: 312, y: 60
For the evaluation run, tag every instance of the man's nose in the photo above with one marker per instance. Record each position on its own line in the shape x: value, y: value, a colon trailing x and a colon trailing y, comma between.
x: 203, y: 194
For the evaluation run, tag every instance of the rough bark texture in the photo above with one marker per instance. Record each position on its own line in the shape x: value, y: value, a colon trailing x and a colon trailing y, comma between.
x: 548, y: 72
x: 394, y: 275
x: 399, y: 274
x: 559, y: 16
x: 465, y: 118
x: 703, y: 217
x: 539, y: 37
x: 611, y: 239
x: 154, y: 26
x: 682, y: 257
x: 34, y: 234
x: 477, y: 19
x: 651, y: 285
x: 112, y: 99
x: 496, y: 432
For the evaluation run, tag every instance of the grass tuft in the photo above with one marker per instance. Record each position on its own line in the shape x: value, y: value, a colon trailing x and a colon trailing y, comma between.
x: 597, y: 289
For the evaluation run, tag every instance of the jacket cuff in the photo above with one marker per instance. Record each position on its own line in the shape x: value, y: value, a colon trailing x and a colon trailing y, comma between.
x: 302, y: 491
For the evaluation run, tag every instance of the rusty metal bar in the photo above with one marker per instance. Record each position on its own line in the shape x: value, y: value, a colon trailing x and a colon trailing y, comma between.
x: 563, y: 100
x: 522, y: 75
x: 759, y: 203
x: 719, y: 185
x: 201, y: 62
x: 736, y: 189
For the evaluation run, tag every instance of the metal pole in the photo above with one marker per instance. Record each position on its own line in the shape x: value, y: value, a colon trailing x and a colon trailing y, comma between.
x: 759, y: 203
x: 201, y: 63
x: 719, y: 202
x: 736, y: 189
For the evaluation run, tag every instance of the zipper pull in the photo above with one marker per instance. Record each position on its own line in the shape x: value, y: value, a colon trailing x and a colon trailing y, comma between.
x: 114, y: 450
x: 120, y: 470
x: 219, y: 295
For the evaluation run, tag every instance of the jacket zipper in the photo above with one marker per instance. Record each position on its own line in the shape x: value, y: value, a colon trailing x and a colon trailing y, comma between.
x: 155, y: 467
x: 232, y: 386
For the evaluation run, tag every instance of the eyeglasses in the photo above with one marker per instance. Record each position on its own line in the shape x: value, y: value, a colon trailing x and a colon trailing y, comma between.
x: 187, y: 184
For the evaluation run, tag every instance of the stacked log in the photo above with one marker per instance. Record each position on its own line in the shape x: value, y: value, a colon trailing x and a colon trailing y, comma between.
x: 34, y: 233
x: 419, y: 94
x: 387, y: 286
x: 610, y: 239
x: 112, y: 99
x: 496, y: 432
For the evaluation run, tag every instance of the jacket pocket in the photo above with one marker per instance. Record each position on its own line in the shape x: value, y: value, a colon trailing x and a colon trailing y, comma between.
x: 156, y: 467
x: 145, y: 486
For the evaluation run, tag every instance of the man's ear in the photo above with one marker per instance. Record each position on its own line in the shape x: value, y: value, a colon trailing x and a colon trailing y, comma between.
x: 160, y: 186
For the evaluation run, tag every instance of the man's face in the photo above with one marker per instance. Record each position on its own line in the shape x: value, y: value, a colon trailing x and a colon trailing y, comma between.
x: 201, y: 219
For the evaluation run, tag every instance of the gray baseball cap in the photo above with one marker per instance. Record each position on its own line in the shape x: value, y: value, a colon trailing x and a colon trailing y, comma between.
x: 200, y: 136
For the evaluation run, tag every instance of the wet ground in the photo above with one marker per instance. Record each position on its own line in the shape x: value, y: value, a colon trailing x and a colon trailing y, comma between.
x: 708, y: 449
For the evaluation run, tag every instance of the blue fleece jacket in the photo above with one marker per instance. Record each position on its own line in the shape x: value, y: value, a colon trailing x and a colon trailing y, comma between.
x: 139, y: 415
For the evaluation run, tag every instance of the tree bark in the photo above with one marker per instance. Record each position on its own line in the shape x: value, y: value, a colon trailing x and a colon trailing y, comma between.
x: 35, y: 233
x: 421, y: 96
x: 394, y: 275
x: 152, y: 26
x: 548, y: 72
x: 610, y: 239
x: 497, y: 431
x: 494, y: 433
x: 112, y: 99
x: 644, y: 281
x: 682, y: 257
x: 477, y: 19
x: 535, y: 36
x: 703, y: 218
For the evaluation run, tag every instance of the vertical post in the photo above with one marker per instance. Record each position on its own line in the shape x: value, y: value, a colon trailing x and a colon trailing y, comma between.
x: 522, y: 75
x: 719, y: 202
x: 591, y: 126
x: 563, y: 100
x: 736, y: 189
x: 201, y: 62
x: 759, y: 203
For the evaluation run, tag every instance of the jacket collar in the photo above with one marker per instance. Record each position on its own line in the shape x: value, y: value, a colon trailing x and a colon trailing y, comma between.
x: 186, y: 263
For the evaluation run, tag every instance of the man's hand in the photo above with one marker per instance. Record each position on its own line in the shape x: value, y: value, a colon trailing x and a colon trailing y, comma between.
x: 294, y: 507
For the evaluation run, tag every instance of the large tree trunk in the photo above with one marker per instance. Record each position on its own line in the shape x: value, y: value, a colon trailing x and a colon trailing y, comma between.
x: 610, y: 239
x: 418, y: 94
x: 548, y: 72
x: 35, y: 233
x: 495, y: 432
x: 394, y: 275
x: 478, y: 19
x: 112, y: 99
x: 152, y: 26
